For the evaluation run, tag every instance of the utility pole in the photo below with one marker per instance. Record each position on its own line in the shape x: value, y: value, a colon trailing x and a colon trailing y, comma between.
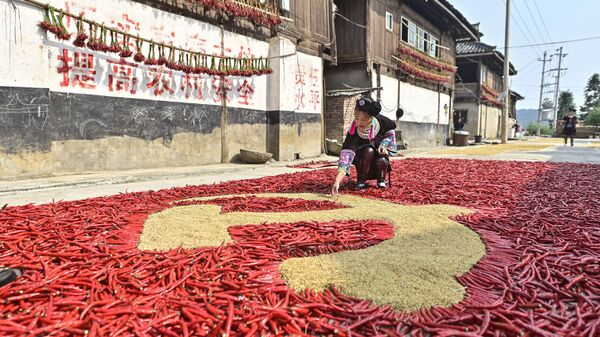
x: 539, y: 120
x: 506, y: 75
x: 557, y: 90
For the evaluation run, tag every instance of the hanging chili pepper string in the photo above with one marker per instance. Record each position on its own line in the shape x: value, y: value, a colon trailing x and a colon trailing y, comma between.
x: 151, y: 58
x: 119, y: 41
x: 139, y: 56
x: 261, y: 14
x: 125, y: 52
x: 162, y: 59
x: 421, y: 73
x: 114, y: 43
x: 421, y: 57
x: 54, y: 24
x: 81, y: 35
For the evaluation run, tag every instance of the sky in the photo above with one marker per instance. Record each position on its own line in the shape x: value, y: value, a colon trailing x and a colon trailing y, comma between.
x: 562, y: 20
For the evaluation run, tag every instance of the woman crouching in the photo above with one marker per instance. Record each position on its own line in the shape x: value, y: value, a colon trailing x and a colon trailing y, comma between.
x: 368, y: 144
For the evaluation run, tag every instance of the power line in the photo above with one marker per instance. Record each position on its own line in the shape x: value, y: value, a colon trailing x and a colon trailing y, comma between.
x: 534, y: 21
x: 537, y: 86
x: 539, y: 51
x: 542, y: 19
x: 536, y: 52
x: 555, y: 42
x: 528, y: 65
x: 522, y: 74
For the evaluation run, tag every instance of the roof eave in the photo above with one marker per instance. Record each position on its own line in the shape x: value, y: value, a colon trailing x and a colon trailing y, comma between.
x: 512, y: 70
x: 475, y: 54
x: 454, y: 13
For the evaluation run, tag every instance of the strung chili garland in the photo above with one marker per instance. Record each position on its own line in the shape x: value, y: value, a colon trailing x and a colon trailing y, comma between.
x: 423, y: 73
x: 100, y: 38
x: 253, y: 10
x: 489, y: 90
x: 491, y: 101
x: 54, y: 24
x: 489, y: 95
x: 425, y: 59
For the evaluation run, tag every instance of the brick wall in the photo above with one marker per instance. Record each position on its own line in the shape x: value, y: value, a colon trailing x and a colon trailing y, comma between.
x: 339, y: 114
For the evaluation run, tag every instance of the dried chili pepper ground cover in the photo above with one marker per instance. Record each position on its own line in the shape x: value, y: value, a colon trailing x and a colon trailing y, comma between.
x: 85, y: 275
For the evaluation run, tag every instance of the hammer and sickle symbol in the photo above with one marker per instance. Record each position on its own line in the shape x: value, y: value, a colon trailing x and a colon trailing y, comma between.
x: 414, y: 269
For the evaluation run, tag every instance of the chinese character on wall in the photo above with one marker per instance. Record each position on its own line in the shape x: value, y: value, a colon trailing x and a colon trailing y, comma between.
x: 300, y: 83
x: 160, y: 81
x: 121, y: 76
x: 192, y: 86
x: 315, y: 91
x: 221, y: 91
x: 77, y: 70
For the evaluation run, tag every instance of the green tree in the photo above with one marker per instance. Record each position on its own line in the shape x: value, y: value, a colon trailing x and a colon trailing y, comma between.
x: 592, y: 94
x: 593, y: 117
x: 565, y: 101
x: 545, y: 130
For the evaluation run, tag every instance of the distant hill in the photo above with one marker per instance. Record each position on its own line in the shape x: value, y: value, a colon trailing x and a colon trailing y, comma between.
x: 526, y: 116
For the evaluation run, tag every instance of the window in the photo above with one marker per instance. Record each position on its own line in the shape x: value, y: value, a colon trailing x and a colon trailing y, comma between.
x: 484, y: 74
x: 389, y: 21
x: 285, y: 5
x: 417, y: 37
x: 420, y: 39
x: 498, y: 83
x: 412, y: 34
x: 433, y: 47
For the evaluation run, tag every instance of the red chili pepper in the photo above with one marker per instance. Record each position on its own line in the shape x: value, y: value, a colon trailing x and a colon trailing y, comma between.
x: 528, y: 277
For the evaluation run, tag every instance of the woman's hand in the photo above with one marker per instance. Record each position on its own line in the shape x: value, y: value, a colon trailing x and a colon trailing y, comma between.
x: 383, y: 151
x: 335, y: 189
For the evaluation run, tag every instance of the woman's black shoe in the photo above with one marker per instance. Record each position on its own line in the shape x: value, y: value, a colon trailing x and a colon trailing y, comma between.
x: 8, y: 275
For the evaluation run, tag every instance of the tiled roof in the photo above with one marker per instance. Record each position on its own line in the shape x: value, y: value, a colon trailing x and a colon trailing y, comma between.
x: 476, y: 48
x: 473, y: 47
x: 517, y: 95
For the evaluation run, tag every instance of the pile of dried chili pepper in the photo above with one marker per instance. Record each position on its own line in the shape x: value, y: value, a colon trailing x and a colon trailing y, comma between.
x: 83, y: 274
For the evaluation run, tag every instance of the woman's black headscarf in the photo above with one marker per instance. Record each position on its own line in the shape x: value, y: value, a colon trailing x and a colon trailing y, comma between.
x: 368, y: 105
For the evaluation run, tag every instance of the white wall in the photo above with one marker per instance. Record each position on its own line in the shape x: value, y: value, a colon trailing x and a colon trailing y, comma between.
x: 30, y: 58
x: 420, y: 105
x: 297, y: 81
x: 24, y: 60
x: 389, y: 96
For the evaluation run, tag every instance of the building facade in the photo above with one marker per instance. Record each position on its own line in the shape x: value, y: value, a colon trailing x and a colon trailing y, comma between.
x: 66, y: 108
x: 478, y: 101
x: 403, y: 53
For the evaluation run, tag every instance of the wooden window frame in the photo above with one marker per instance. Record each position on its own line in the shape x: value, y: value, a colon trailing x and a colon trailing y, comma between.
x: 389, y: 19
x: 289, y: 3
x: 423, y: 46
x: 484, y: 74
x: 421, y: 39
x: 436, y: 52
